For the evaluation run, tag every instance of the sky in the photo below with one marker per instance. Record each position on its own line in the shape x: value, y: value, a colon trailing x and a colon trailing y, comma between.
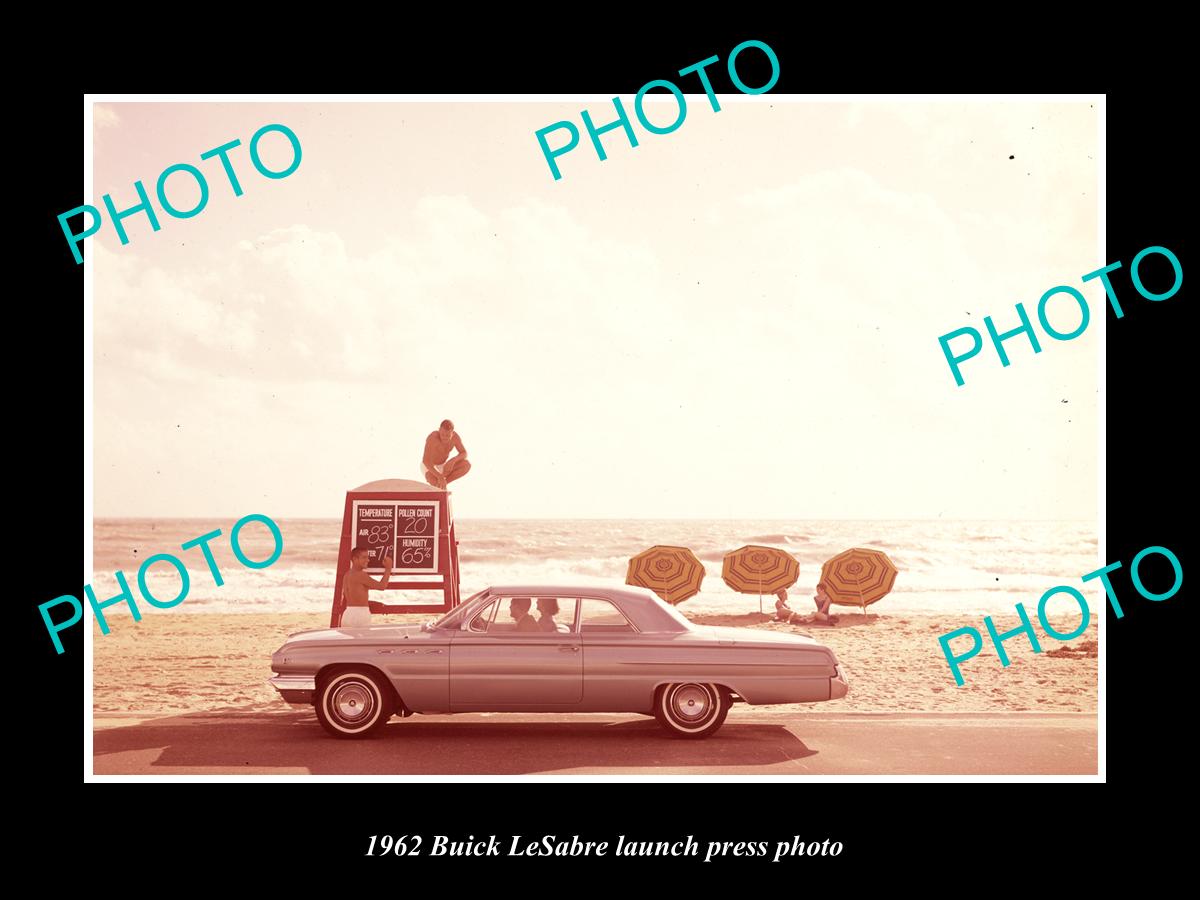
x: 738, y: 319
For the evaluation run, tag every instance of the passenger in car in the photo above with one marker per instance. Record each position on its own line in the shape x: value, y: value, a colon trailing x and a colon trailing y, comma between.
x: 519, y: 610
x: 547, y: 610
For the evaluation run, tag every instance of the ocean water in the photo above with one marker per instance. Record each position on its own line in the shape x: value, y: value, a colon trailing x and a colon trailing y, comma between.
x: 945, y: 566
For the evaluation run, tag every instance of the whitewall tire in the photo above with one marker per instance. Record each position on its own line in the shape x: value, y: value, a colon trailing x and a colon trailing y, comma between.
x: 353, y: 703
x: 691, y: 709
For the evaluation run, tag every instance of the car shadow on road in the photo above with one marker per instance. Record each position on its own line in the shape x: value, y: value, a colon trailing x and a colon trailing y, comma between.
x: 417, y: 746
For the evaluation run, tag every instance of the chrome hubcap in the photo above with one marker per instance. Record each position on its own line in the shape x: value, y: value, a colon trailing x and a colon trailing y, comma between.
x: 691, y: 702
x: 353, y: 701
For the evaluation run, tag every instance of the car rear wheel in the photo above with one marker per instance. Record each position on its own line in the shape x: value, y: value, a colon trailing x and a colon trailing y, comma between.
x: 691, y: 710
x: 353, y: 704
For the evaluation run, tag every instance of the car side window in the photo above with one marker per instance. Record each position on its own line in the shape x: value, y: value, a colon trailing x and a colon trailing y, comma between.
x: 526, y: 615
x: 513, y: 616
x: 602, y: 617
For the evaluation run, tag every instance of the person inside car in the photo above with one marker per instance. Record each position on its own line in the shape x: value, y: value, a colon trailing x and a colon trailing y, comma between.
x: 519, y: 610
x: 547, y: 610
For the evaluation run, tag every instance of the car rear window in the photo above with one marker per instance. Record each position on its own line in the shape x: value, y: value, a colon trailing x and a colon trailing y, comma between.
x: 601, y: 617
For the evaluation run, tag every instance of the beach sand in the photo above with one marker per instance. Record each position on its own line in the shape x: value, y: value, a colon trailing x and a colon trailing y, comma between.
x: 175, y: 662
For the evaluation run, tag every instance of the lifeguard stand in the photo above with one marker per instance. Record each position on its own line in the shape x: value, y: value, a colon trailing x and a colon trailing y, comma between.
x: 412, y: 522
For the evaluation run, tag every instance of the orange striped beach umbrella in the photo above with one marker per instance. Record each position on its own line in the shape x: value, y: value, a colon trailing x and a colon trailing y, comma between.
x: 673, y: 573
x: 858, y: 577
x: 759, y: 570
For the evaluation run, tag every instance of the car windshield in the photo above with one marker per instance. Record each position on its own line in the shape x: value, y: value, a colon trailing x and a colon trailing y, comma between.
x: 455, y: 616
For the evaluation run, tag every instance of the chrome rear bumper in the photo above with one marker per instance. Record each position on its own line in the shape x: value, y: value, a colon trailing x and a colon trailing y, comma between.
x: 839, y: 685
x: 294, y: 688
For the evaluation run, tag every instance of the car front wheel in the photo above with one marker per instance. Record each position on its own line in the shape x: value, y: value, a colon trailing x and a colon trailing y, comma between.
x: 353, y: 704
x: 691, y: 710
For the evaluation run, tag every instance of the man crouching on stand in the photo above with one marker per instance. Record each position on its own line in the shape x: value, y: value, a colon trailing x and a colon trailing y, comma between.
x: 434, y: 466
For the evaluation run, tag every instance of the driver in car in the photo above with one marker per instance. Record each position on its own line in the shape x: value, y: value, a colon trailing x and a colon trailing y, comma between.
x: 519, y: 610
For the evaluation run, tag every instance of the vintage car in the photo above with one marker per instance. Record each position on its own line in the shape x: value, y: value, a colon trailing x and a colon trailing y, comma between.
x: 551, y: 649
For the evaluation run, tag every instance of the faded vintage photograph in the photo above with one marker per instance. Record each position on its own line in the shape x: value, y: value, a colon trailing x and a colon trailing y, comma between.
x: 657, y: 468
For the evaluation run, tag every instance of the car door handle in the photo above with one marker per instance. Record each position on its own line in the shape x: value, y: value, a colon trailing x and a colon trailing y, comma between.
x: 434, y: 651
x: 568, y: 648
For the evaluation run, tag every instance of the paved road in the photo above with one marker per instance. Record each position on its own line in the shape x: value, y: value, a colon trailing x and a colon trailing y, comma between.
x: 752, y: 742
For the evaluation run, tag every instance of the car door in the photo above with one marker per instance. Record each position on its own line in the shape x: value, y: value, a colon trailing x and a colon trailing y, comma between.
x: 503, y: 662
x: 621, y: 666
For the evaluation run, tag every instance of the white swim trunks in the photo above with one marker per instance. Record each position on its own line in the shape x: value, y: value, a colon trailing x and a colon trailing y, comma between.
x: 356, y: 617
x: 438, y: 468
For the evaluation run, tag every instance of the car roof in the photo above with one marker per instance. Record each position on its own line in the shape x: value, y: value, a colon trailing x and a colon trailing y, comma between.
x: 568, y: 590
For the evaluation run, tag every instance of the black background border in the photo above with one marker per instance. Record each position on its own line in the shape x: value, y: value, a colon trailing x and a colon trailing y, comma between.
x: 958, y: 830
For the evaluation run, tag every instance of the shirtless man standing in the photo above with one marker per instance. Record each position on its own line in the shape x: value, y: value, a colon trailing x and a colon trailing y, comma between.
x: 437, y: 470
x: 355, y: 587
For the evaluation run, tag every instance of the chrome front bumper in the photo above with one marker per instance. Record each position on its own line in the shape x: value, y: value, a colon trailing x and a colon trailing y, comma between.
x: 294, y: 688
x: 839, y: 685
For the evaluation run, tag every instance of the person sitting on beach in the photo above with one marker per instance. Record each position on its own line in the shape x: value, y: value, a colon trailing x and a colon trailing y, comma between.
x: 823, y: 602
x: 356, y: 585
x: 434, y: 466
x: 547, y: 610
x: 519, y: 610
x: 783, y: 612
